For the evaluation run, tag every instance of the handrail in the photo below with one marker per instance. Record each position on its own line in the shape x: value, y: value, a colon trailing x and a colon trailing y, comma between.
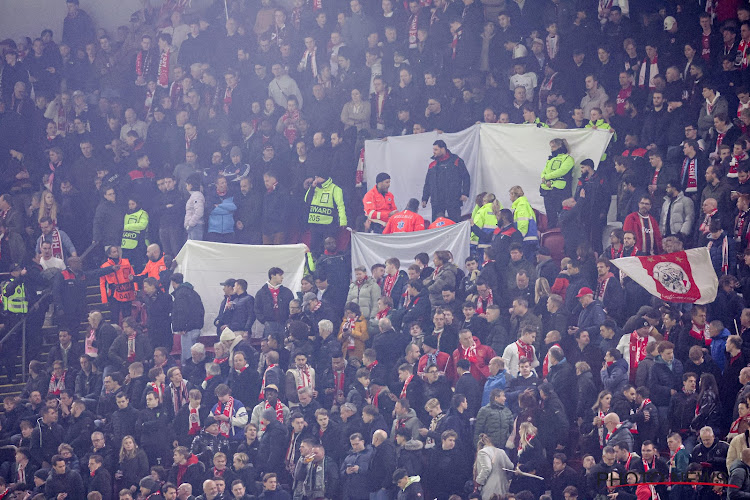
x: 22, y: 322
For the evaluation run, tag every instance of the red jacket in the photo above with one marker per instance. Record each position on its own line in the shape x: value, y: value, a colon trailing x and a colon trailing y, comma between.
x: 634, y: 224
x: 444, y: 364
x: 378, y: 206
x: 480, y: 368
x: 404, y: 222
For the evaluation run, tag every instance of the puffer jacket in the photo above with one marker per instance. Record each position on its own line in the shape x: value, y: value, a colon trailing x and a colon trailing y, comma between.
x: 496, y: 421
x: 682, y: 216
x: 221, y: 217
x: 446, y: 275
x: 194, y: 209
x: 615, y: 376
x: 366, y: 297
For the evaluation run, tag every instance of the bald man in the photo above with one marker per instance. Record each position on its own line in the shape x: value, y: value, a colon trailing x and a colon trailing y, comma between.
x: 382, y: 466
x: 155, y: 264
x: 617, y: 432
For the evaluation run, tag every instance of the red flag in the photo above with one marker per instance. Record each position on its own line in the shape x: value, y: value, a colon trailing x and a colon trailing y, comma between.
x: 676, y: 277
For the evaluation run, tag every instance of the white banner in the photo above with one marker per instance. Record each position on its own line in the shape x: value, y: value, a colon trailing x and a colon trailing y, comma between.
x: 369, y: 249
x: 205, y: 265
x: 498, y: 156
x: 405, y: 159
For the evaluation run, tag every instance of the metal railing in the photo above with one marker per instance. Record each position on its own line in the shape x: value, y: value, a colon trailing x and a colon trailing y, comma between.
x: 22, y: 323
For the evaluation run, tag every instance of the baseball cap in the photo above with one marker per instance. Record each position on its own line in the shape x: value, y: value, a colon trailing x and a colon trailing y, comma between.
x: 584, y: 291
x: 669, y: 21
x: 229, y: 282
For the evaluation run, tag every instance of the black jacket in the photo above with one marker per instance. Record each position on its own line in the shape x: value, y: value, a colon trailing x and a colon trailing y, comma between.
x: 44, y: 442
x: 69, y: 483
x: 470, y: 388
x: 382, y: 466
x: 123, y: 422
x: 562, y: 376
x: 264, y: 310
x: 446, y: 181
x: 243, y: 314
x: 101, y: 482
x: 272, y: 448
x: 187, y: 309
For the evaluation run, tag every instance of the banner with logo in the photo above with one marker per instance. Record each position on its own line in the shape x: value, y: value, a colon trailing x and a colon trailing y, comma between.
x: 675, y: 277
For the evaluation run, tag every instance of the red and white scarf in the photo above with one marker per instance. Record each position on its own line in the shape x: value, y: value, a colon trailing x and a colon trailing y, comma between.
x: 310, y: 54
x: 699, y: 332
x: 226, y: 409
x: 743, y: 51
x: 158, y: 391
x: 131, y: 348
x: 227, y: 99
x: 57, y: 248
x: 545, y: 363
x: 470, y: 353
x: 179, y: 396
x: 194, y: 420
x: 338, y: 382
x: 637, y: 352
x: 57, y: 385
x: 89, y: 348
x: 349, y: 324
x: 139, y: 66
x: 724, y: 253
x: 163, y: 78
x: 274, y: 289
x: 406, y: 385
x: 647, y: 234
x: 484, y: 302
x: 704, y: 227
x: 279, y: 411
x: 413, y: 20
x: 388, y: 284
x: 601, y: 286
x: 525, y: 350
x: 305, y: 378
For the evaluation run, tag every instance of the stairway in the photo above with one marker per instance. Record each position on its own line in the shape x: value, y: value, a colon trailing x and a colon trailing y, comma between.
x: 49, y: 334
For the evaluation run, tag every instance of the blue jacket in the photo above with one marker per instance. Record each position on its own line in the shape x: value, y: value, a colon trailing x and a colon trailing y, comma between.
x: 221, y: 217
x: 591, y: 318
x: 499, y: 381
x: 615, y: 376
x: 355, y: 486
x: 718, y: 349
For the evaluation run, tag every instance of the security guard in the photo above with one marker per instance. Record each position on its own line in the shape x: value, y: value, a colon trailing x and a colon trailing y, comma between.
x: 117, y: 289
x: 326, y: 211
x: 14, y: 292
x: 525, y: 219
x: 134, y: 234
x: 15, y: 307
x: 556, y: 178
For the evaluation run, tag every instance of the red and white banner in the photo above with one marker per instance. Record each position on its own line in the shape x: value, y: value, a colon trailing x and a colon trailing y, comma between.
x: 675, y: 277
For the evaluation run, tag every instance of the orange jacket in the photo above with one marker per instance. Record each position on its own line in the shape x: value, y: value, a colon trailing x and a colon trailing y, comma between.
x: 378, y: 206
x: 404, y: 222
x: 117, y: 284
x: 153, y: 269
x: 441, y: 222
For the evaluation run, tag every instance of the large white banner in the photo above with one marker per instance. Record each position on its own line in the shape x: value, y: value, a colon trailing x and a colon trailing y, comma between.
x: 405, y: 159
x: 498, y: 156
x: 205, y: 265
x: 369, y: 248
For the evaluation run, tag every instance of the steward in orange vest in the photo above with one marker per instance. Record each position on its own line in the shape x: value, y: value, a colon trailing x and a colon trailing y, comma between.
x: 117, y: 289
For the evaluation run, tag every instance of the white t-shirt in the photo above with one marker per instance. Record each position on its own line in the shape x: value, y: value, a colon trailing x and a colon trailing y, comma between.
x: 52, y: 263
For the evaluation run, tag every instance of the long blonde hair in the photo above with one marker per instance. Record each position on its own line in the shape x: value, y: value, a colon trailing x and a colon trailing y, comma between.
x: 526, y: 431
x: 598, y: 405
x: 128, y: 454
x: 45, y: 211
x: 541, y: 289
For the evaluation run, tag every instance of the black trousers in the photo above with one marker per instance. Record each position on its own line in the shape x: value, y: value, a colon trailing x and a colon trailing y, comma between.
x: 452, y: 211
